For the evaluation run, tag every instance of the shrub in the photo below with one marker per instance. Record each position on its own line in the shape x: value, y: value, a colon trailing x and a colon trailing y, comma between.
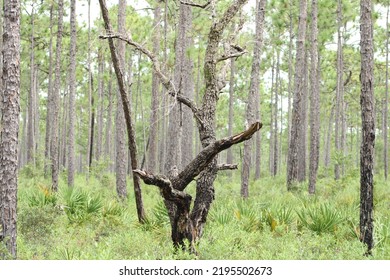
x: 41, y: 197
x: 320, y: 220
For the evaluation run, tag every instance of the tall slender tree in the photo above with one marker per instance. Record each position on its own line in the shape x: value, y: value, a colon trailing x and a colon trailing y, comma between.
x: 120, y: 157
x: 55, y: 96
x: 314, y: 100
x: 153, y: 128
x: 72, y: 93
x: 368, y: 125
x: 386, y: 113
x: 339, y: 88
x: 253, y: 91
x: 296, y: 127
x: 32, y: 94
x: 9, y: 126
x: 118, y: 66
x: 49, y: 115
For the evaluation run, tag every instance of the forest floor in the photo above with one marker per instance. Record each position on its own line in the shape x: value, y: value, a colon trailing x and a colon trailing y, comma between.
x: 88, y: 223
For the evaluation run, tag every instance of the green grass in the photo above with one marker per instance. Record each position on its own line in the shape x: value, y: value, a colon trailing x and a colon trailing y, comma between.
x: 88, y: 222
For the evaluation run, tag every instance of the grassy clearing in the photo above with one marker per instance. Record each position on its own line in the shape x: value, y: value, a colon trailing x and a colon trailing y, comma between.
x: 89, y: 223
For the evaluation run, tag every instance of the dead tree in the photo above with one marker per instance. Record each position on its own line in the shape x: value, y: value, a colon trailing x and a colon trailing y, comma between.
x: 186, y: 224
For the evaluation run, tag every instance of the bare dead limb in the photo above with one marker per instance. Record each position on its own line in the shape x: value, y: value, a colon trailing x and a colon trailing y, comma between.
x: 232, y: 55
x: 193, y: 4
x: 227, y: 166
x: 167, y: 83
x: 200, y: 162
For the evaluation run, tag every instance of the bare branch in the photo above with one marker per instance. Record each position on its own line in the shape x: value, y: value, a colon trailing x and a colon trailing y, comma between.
x: 190, y: 3
x: 199, y: 163
x: 227, y: 166
x: 165, y: 186
x: 168, y: 84
x: 232, y: 55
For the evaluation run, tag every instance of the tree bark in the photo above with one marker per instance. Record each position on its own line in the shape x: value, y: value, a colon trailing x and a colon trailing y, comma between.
x: 153, y: 128
x: 277, y: 89
x: 339, y: 89
x: 385, y: 131
x: 107, y: 148
x: 72, y: 93
x: 9, y: 126
x: 31, y: 97
x: 314, y: 101
x: 100, y: 104
x: 54, y: 150
x: 187, y: 81
x: 296, y: 131
x: 302, y: 148
x: 253, y: 91
x: 368, y: 125
x: 49, y: 115
x: 229, y: 156
x: 127, y: 110
x: 120, y: 157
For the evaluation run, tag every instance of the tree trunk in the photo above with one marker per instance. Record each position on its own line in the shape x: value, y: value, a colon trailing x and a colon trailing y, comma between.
x: 9, y: 126
x: 229, y: 156
x: 253, y: 91
x: 314, y: 101
x: 100, y: 104
x: 107, y: 148
x: 385, y: 131
x: 153, y: 128
x: 302, y: 148
x: 55, y: 95
x: 31, y: 98
x: 187, y: 81
x: 277, y: 90
x: 72, y: 93
x: 49, y: 105
x: 117, y: 62
x: 204, y: 184
x: 271, y: 131
x: 368, y: 125
x: 163, y: 126
x: 339, y: 89
x: 91, y: 126
x: 296, y: 125
x: 120, y: 157
x: 290, y: 70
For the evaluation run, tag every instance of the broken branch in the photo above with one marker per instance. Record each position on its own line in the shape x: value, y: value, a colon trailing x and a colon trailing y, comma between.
x: 227, y: 166
x: 190, y: 3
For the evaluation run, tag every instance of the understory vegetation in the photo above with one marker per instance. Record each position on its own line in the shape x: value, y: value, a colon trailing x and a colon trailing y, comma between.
x: 88, y: 222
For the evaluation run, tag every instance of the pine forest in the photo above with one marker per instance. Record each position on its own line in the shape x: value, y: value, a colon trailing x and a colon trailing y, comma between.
x: 194, y: 129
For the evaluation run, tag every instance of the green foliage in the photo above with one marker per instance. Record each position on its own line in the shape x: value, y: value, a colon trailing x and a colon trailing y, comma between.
x: 321, y: 219
x: 80, y: 205
x: 42, y: 196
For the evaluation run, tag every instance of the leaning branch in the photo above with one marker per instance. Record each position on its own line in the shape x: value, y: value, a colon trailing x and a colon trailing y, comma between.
x: 167, y: 83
